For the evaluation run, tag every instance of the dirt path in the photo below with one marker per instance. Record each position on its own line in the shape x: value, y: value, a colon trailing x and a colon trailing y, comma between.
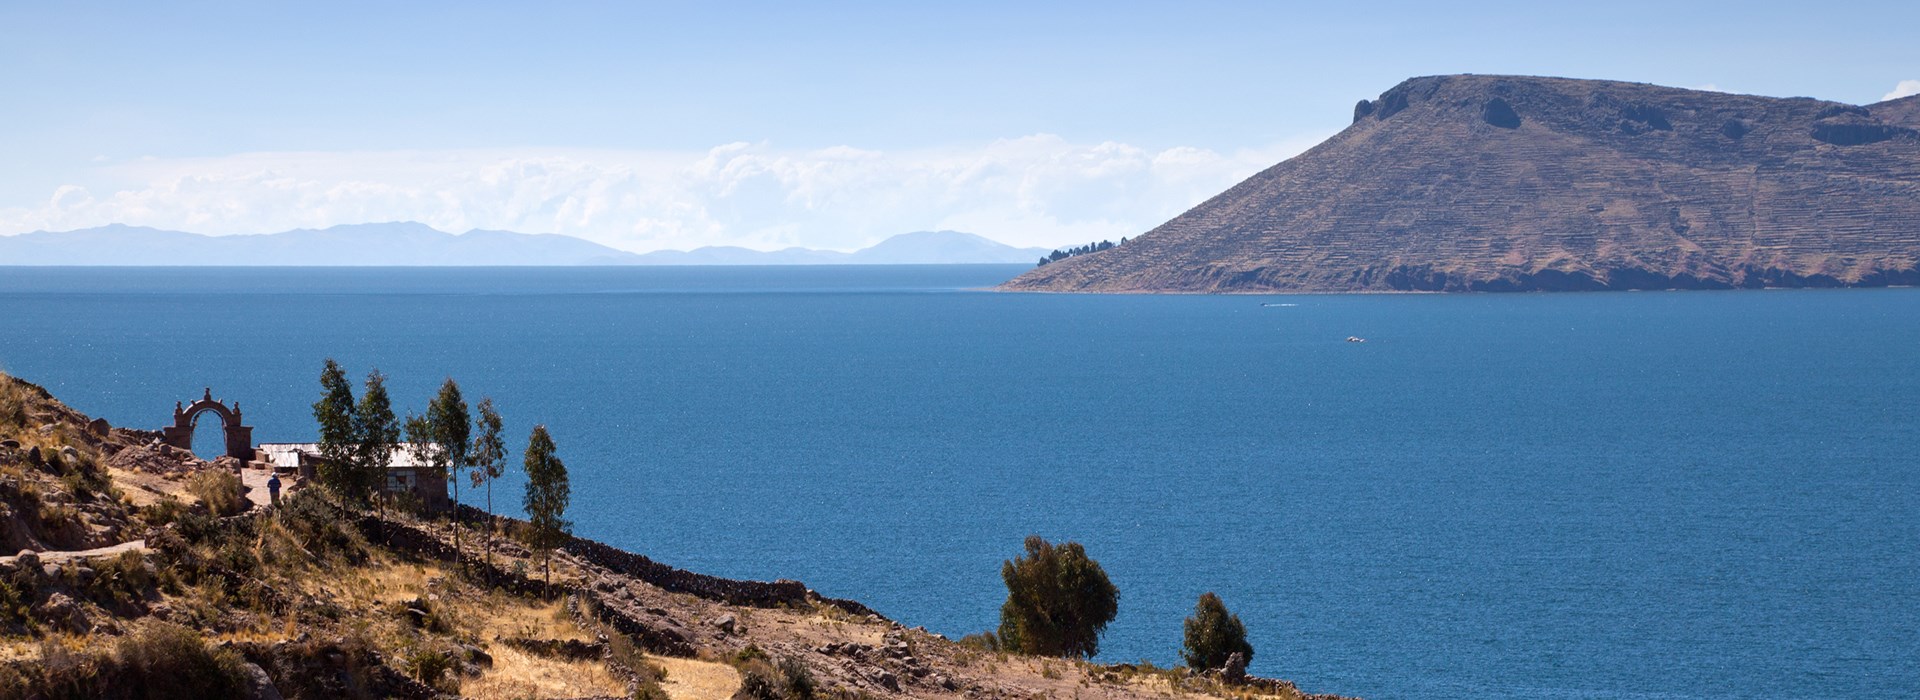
x: 97, y: 552
x: 256, y: 482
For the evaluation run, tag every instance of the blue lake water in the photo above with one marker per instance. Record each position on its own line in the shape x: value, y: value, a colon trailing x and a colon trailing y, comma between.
x: 1646, y: 495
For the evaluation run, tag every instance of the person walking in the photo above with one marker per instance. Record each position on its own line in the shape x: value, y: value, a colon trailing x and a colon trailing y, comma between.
x: 273, y: 488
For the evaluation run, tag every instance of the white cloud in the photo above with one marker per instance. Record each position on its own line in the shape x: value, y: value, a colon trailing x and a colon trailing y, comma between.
x: 1906, y: 88
x: 1034, y: 190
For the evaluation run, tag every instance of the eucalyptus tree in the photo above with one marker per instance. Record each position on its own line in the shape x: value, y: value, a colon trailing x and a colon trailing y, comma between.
x: 546, y: 498
x: 449, y: 429
x: 379, y: 433
x: 1058, y: 601
x: 489, y: 459
x: 339, y: 431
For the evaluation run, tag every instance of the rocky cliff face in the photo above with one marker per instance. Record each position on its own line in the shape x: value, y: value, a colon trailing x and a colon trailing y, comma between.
x: 1498, y: 183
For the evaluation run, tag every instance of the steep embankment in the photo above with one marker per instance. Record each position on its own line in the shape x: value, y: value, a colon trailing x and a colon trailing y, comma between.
x: 1497, y: 183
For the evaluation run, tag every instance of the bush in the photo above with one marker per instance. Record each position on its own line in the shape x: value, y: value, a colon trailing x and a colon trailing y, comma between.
x: 121, y: 580
x: 169, y: 661
x: 758, y: 681
x: 800, y: 684
x: 432, y: 666
x: 1214, y: 635
x: 748, y: 655
x: 1058, y: 601
x: 196, y: 526
x: 762, y: 680
x: 220, y: 490
x: 156, y: 660
x: 983, y: 641
x: 166, y: 510
x: 315, y: 525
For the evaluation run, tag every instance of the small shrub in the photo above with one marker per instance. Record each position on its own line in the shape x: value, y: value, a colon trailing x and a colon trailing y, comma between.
x: 748, y: 655
x: 121, y: 580
x: 169, y: 661
x: 758, y: 681
x: 235, y: 557
x: 164, y: 511
x: 315, y: 526
x: 196, y: 526
x: 982, y: 641
x: 219, y: 490
x: 431, y: 667
x: 76, y: 484
x: 800, y: 683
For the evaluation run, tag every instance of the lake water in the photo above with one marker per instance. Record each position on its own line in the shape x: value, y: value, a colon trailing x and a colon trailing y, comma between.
x: 1645, y: 495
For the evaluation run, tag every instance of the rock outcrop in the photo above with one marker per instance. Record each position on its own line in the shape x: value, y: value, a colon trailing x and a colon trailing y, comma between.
x: 1500, y: 183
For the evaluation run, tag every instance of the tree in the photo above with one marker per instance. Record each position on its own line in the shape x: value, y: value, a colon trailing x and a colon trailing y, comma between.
x: 1214, y: 635
x: 546, y: 499
x: 1058, y: 601
x: 339, y: 430
x: 379, y: 432
x: 420, y: 443
x: 443, y: 442
x: 489, y: 460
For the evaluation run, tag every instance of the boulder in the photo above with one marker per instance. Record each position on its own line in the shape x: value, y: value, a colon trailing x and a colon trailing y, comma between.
x: 63, y: 613
x: 258, y: 685
x: 1236, y: 669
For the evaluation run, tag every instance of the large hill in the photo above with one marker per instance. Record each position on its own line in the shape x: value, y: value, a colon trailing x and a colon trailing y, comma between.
x: 1498, y: 183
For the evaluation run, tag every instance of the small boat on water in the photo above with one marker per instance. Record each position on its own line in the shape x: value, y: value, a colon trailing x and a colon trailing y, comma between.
x: 1356, y: 339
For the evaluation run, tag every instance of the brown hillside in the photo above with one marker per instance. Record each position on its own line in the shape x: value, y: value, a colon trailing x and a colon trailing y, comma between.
x: 1499, y: 183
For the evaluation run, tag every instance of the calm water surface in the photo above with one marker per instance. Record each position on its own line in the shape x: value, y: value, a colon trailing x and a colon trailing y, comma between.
x: 1657, y: 495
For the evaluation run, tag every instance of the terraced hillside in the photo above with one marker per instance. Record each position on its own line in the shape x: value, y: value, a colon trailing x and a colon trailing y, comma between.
x: 1502, y: 183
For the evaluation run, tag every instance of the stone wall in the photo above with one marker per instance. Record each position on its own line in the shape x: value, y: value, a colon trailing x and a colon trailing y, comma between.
x: 759, y: 594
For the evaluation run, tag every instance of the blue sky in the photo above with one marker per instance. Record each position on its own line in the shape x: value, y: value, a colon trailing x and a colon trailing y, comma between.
x: 648, y: 125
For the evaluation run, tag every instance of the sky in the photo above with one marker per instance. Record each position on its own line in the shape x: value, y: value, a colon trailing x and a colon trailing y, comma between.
x: 647, y: 126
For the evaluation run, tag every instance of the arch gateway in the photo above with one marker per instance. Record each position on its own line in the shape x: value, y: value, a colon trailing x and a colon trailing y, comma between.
x: 180, y: 434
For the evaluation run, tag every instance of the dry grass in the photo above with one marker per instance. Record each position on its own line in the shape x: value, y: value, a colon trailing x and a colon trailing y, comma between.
x: 688, y: 679
x: 508, y: 616
x: 516, y: 674
x: 145, y: 489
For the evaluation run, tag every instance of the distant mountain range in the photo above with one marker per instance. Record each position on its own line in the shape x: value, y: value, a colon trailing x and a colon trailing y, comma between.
x: 917, y: 248
x: 1513, y: 183
x: 416, y: 244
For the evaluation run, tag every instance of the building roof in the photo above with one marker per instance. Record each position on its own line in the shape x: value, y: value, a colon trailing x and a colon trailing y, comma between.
x: 290, y: 454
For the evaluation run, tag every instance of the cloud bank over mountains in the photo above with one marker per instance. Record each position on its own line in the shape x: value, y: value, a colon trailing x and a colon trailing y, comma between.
x: 1038, y: 190
x: 1905, y: 88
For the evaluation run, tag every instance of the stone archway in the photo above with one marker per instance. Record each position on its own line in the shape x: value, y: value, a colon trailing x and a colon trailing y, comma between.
x: 180, y: 434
